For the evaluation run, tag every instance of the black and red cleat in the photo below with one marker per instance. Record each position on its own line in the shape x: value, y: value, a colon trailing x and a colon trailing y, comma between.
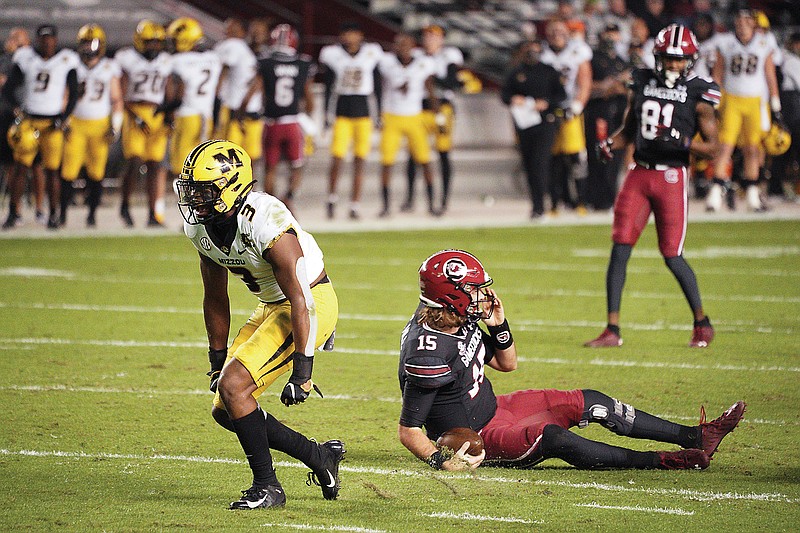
x: 701, y: 336
x: 712, y: 433
x: 690, y: 459
x: 607, y: 339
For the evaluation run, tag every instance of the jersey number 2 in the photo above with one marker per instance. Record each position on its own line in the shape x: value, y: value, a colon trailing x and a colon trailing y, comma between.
x: 653, y: 116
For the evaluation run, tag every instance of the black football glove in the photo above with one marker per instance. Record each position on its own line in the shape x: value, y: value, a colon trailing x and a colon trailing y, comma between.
x: 603, y: 151
x: 672, y: 136
x: 300, y: 384
x: 777, y: 118
x: 217, y: 360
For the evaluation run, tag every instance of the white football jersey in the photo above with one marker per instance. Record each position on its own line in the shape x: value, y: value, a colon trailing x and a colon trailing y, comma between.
x: 261, y: 220
x: 95, y: 103
x: 199, y: 72
x: 353, y: 73
x: 45, y: 83
x: 146, y: 79
x: 566, y: 61
x: 744, y: 64
x: 404, y: 85
x: 446, y: 56
x: 241, y: 62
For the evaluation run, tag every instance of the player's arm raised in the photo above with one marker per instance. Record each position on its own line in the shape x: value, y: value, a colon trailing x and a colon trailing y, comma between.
x: 216, y: 313
x: 505, y: 350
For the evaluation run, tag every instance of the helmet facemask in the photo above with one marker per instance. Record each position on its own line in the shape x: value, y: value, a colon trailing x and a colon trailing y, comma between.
x: 671, y: 77
x: 483, y: 302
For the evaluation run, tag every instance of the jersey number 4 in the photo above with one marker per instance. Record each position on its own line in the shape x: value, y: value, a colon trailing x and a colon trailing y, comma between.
x: 653, y: 116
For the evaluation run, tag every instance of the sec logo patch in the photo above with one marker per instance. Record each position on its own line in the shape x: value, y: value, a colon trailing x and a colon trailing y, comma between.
x: 205, y: 243
x: 671, y: 175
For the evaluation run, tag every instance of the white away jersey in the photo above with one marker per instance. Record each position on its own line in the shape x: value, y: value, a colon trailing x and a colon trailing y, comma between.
x: 146, y: 79
x: 446, y: 56
x: 566, y: 61
x: 744, y: 64
x: 241, y: 62
x: 353, y: 73
x: 261, y: 220
x: 199, y: 72
x: 45, y: 79
x: 95, y: 103
x: 404, y: 85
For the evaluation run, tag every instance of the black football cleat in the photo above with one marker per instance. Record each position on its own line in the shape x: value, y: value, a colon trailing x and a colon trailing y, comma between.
x: 327, y: 477
x: 125, y: 215
x: 260, y: 497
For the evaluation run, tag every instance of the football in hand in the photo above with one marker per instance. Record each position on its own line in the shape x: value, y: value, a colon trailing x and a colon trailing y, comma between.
x: 456, y: 437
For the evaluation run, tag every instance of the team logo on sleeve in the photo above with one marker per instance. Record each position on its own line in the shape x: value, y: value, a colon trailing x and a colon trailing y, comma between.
x: 455, y: 269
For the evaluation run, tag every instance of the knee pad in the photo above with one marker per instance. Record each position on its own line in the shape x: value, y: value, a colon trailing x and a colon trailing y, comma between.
x: 609, y: 412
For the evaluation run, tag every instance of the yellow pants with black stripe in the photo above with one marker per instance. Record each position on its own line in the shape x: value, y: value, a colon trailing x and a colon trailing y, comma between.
x: 265, y: 346
x: 148, y: 144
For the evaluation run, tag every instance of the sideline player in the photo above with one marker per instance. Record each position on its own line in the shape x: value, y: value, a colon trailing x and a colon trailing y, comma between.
x: 350, y: 72
x: 255, y: 237
x: 190, y: 91
x: 96, y: 121
x: 572, y: 58
x: 443, y: 358
x: 285, y: 79
x: 145, y: 69
x: 238, y: 70
x: 406, y: 79
x: 49, y: 79
x: 667, y: 106
x: 746, y: 72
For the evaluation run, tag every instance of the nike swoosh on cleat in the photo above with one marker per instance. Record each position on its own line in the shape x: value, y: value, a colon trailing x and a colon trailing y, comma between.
x: 253, y: 505
x: 333, y: 481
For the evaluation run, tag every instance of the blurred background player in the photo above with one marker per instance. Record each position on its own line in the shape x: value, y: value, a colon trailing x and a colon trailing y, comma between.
x: 49, y: 79
x: 406, y: 79
x: 572, y: 58
x: 349, y: 74
x: 17, y: 38
x: 96, y: 121
x: 746, y: 72
x: 238, y: 70
x: 145, y: 69
x: 667, y: 107
x: 190, y: 92
x: 786, y: 167
x: 284, y: 78
x: 439, y: 123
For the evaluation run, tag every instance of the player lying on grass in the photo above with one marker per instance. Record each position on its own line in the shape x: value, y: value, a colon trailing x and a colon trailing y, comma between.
x: 443, y: 357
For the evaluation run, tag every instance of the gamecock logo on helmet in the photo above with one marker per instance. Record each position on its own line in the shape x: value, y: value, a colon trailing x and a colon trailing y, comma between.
x: 455, y: 269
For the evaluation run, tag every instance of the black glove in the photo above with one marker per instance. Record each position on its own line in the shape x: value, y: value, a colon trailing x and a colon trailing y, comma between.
x: 300, y: 384
x: 603, y: 151
x: 777, y: 118
x: 217, y: 360
x: 672, y: 136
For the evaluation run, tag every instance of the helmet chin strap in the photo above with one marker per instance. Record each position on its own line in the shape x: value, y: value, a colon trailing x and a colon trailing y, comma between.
x: 671, y: 77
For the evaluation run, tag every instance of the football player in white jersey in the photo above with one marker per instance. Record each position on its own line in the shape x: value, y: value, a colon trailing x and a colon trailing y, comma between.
x: 439, y: 122
x: 349, y: 70
x: 96, y: 121
x: 572, y: 58
x: 255, y: 237
x: 745, y: 70
x: 238, y: 70
x: 407, y: 79
x: 192, y: 87
x: 145, y: 69
x: 48, y: 79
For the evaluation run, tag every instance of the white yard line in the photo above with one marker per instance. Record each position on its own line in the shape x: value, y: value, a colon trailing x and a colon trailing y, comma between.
x: 309, y: 527
x: 661, y: 510
x: 482, y: 518
x: 681, y: 493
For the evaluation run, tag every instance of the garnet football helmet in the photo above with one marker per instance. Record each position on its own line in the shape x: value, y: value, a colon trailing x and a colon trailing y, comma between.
x: 91, y: 41
x: 284, y: 38
x: 217, y: 176
x: 678, y: 42
x: 184, y: 33
x: 450, y: 279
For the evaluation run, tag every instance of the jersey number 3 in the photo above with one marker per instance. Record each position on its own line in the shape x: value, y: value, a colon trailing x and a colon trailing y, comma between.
x: 653, y: 116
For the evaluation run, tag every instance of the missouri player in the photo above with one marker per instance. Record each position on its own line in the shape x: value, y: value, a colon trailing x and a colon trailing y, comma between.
x: 284, y: 79
x: 48, y: 79
x: 349, y: 73
x: 145, y: 69
x: 96, y: 121
x: 444, y: 381
x: 255, y: 237
x: 667, y: 106
x: 191, y: 89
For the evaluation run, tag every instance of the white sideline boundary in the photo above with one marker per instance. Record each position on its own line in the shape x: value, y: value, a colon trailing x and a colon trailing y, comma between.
x: 636, y: 508
x: 705, y: 496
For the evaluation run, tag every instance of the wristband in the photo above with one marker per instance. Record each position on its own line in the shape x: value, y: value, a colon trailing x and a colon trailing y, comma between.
x: 501, y: 336
x: 436, y: 460
x: 775, y: 103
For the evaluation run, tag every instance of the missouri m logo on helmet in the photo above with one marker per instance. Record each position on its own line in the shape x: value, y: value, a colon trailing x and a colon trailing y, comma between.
x: 216, y: 178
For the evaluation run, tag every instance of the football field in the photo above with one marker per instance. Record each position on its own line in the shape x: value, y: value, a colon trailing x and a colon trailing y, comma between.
x: 106, y: 425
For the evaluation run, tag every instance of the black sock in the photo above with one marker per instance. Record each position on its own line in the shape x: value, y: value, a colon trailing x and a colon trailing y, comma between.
x: 411, y: 174
x: 286, y: 440
x: 705, y: 323
x: 66, y: 196
x: 386, y: 197
x: 429, y: 191
x: 615, y: 276
x: 95, y: 194
x: 687, y: 280
x: 252, y: 432
x: 613, y: 329
x: 444, y: 160
x: 584, y: 453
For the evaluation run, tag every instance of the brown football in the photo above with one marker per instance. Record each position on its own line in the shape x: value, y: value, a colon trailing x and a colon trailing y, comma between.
x: 456, y: 437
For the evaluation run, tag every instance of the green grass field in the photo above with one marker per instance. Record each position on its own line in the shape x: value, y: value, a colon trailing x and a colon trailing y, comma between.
x: 106, y: 426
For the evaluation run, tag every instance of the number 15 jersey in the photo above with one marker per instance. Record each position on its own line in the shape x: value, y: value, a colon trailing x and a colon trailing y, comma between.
x: 655, y: 105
